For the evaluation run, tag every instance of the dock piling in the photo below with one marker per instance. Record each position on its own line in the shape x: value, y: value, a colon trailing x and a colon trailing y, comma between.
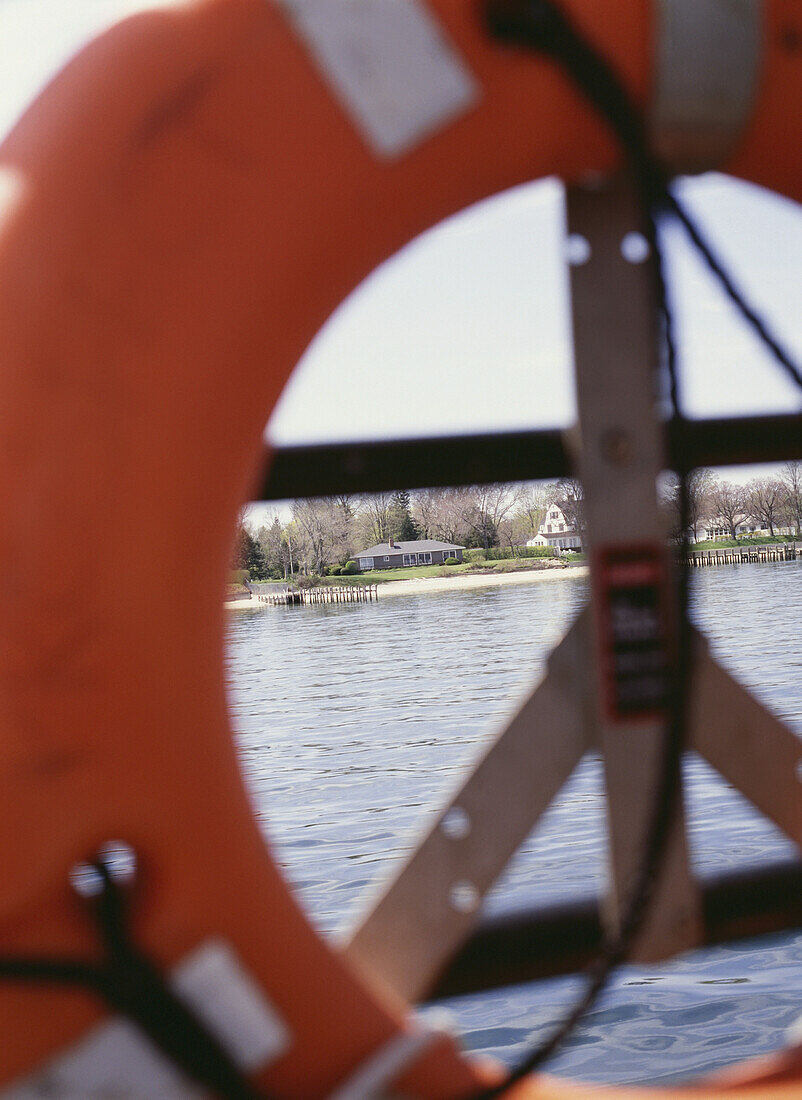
x: 351, y: 593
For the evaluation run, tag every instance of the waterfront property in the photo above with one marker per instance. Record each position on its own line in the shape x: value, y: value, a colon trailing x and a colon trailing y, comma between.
x: 718, y: 527
x: 556, y: 531
x: 395, y: 555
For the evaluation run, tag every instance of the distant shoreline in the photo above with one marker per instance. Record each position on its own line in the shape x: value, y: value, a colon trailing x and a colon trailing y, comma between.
x: 417, y: 586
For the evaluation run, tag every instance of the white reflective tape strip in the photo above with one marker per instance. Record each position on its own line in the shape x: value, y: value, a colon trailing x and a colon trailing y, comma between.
x: 116, y: 1060
x: 371, y: 1079
x: 389, y: 64
x: 708, y: 57
x: 228, y: 1001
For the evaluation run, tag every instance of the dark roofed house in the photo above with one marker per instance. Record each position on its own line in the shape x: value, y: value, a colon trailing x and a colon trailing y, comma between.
x: 392, y: 554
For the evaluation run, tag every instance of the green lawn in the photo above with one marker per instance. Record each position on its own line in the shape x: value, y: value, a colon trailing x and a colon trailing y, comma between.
x: 379, y: 576
x: 413, y: 572
x: 727, y: 544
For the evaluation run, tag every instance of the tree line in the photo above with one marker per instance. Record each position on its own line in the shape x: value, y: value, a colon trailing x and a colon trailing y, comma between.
x: 327, y: 532
x: 773, y: 504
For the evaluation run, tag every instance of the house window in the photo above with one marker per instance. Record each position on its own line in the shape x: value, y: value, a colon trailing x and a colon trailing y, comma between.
x: 553, y: 515
x: 366, y: 563
x: 549, y: 528
x: 425, y: 558
x: 409, y: 559
x: 386, y: 557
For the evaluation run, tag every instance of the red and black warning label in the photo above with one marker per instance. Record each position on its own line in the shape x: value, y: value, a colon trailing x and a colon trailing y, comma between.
x: 634, y: 639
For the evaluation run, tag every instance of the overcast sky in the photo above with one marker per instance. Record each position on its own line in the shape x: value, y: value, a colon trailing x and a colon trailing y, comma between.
x: 469, y: 323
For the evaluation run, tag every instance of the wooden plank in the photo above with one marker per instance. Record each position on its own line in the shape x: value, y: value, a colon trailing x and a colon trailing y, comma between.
x: 615, y: 352
x: 746, y: 743
x: 424, y: 915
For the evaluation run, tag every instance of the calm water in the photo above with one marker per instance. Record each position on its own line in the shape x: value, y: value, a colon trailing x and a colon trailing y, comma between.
x: 355, y: 720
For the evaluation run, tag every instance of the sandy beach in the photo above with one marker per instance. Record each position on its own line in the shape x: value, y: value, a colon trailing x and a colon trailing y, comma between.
x: 421, y: 585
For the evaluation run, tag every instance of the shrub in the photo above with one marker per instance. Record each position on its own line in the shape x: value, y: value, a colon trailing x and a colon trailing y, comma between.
x: 451, y: 561
x: 473, y: 555
x: 333, y: 570
x: 349, y: 568
x: 311, y: 581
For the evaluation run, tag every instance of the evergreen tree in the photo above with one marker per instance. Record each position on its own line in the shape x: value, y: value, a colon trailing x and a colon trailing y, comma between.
x: 256, y: 566
x: 248, y: 554
x: 400, y: 522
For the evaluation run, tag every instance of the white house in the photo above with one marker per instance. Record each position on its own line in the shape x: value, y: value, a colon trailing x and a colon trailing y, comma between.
x: 555, y: 530
x: 716, y: 527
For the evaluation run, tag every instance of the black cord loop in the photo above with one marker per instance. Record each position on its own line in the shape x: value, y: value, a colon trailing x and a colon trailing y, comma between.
x: 131, y: 984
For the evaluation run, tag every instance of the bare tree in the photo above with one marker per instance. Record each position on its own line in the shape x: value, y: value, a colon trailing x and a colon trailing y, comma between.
x: 373, y: 522
x: 791, y: 481
x: 700, y: 483
x: 764, y: 499
x: 348, y: 505
x: 530, y: 510
x: 343, y: 534
x: 425, y: 504
x: 320, y: 524
x: 570, y: 496
x: 272, y: 539
x: 728, y: 504
x: 487, y: 506
x: 440, y: 513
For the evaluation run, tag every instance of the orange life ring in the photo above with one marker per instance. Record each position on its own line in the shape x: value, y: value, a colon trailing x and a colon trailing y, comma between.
x: 178, y: 223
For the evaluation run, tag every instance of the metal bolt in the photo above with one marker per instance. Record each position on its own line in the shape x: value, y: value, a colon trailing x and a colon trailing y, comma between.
x: 577, y: 249
x: 464, y: 897
x: 86, y: 880
x: 119, y: 860
x: 456, y: 823
x: 635, y: 248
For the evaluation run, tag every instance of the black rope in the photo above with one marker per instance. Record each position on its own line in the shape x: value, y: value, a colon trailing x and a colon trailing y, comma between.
x: 758, y: 325
x: 132, y: 985
x: 542, y: 25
